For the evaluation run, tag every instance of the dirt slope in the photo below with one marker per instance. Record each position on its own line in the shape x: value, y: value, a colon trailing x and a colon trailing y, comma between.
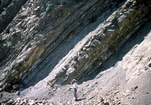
x: 125, y: 79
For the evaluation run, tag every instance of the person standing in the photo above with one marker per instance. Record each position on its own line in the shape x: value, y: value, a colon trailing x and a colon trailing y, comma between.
x: 74, y: 86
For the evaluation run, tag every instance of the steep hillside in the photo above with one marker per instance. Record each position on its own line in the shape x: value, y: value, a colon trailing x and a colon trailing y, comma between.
x: 104, y: 44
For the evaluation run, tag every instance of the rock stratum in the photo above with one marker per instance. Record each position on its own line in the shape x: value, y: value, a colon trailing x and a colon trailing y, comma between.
x: 104, y: 44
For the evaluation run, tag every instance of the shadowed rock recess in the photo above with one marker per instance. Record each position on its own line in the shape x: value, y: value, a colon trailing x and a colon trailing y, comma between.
x: 104, y: 44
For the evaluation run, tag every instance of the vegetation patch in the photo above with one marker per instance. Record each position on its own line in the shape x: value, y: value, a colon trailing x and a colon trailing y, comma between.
x: 48, y: 7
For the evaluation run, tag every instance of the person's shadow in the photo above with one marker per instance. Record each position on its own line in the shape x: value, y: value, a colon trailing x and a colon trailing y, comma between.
x: 80, y: 99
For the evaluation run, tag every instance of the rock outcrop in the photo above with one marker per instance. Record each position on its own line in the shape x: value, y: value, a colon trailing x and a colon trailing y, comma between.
x: 45, y: 44
x: 37, y: 35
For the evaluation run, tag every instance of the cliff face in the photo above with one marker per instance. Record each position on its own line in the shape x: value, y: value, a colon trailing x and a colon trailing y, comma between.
x: 48, y: 43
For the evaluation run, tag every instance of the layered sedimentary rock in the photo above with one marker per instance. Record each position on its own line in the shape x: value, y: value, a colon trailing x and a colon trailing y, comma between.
x: 49, y: 42
x: 31, y: 40
x: 8, y: 10
x: 33, y: 36
x: 98, y: 45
